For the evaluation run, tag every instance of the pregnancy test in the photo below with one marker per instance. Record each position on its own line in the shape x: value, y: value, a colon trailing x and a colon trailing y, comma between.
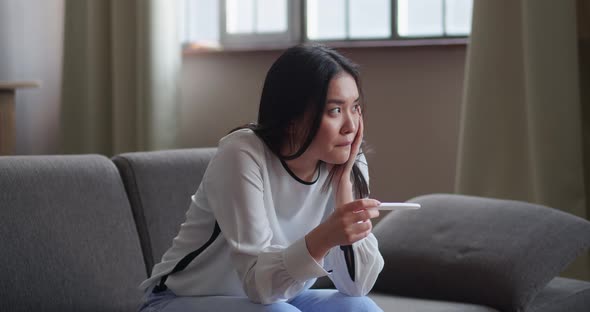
x: 398, y: 206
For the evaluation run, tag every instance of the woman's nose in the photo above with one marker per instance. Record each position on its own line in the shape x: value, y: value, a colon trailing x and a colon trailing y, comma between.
x: 350, y: 124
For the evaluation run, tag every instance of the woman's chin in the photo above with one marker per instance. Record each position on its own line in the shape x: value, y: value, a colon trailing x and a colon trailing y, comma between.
x: 337, y: 160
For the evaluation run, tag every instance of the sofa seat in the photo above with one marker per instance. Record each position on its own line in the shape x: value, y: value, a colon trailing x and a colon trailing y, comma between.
x: 389, y: 302
x: 561, y: 294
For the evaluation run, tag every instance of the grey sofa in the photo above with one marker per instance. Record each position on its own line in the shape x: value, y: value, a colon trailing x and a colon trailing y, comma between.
x: 80, y: 232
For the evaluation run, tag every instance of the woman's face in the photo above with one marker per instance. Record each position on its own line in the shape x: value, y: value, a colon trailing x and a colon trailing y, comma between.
x: 340, y: 122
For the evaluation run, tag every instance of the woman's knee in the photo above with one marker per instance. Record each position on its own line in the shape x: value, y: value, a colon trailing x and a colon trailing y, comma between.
x: 320, y: 300
x: 279, y: 307
x: 363, y: 304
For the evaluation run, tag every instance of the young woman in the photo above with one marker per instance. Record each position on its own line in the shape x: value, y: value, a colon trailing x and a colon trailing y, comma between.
x: 283, y: 202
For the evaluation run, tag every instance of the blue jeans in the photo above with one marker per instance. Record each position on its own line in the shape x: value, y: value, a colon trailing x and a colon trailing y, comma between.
x: 312, y: 300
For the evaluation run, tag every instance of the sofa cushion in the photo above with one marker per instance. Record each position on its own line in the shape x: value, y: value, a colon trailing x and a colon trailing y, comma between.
x: 562, y: 294
x: 493, y: 252
x: 159, y: 185
x: 68, y: 238
x: 397, y: 303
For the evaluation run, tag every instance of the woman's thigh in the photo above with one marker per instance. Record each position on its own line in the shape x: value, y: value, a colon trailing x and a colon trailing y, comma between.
x: 326, y: 300
x: 223, y: 303
x: 168, y: 302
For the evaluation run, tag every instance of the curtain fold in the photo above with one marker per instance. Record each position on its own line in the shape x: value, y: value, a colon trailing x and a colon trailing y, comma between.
x: 122, y: 63
x: 521, y: 125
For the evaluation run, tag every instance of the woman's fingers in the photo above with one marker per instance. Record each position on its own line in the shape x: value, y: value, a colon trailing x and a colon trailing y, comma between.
x: 358, y: 139
x: 360, y: 204
x: 360, y: 132
x: 358, y: 231
x: 355, y: 218
x: 364, y: 215
x: 356, y: 145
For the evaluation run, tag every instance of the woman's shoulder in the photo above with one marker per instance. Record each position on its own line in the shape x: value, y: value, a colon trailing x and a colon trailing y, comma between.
x: 243, y: 140
x: 243, y: 137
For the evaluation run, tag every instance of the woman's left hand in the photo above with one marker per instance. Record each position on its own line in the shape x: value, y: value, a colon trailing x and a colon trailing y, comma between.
x: 344, y: 193
x: 343, y: 226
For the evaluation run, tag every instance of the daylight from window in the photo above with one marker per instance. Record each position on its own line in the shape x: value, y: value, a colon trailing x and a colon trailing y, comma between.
x: 256, y: 16
x: 429, y: 18
x: 323, y: 20
x: 352, y: 19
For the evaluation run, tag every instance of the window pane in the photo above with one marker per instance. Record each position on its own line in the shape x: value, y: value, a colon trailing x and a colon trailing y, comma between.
x: 239, y: 16
x: 419, y: 18
x: 325, y: 19
x: 458, y: 17
x: 271, y: 16
x: 182, y: 20
x: 370, y: 18
x: 202, y: 21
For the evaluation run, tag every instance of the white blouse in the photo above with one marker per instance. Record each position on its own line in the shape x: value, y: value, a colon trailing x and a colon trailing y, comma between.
x: 264, y: 214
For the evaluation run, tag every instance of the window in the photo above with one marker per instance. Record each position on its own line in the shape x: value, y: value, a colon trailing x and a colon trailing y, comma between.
x: 349, y: 19
x: 268, y: 23
x: 433, y: 18
x: 199, y: 22
x: 251, y: 23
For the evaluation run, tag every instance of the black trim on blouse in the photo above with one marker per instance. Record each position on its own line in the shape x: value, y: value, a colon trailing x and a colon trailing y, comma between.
x: 186, y: 260
x: 318, y: 169
x: 349, y: 257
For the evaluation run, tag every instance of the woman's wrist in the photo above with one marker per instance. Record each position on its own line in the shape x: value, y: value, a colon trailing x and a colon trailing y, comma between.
x: 316, y: 243
x: 344, y: 194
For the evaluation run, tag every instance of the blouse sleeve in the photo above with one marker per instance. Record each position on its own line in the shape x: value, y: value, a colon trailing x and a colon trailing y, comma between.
x: 355, y: 269
x: 269, y: 273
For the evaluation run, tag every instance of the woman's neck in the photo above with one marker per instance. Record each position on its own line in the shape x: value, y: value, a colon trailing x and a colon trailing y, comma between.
x: 304, y: 169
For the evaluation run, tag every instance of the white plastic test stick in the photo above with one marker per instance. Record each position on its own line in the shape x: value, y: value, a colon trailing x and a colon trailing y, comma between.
x: 398, y: 206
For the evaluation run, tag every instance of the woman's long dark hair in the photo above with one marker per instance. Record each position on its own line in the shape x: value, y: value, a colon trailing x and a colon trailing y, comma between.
x: 297, y: 83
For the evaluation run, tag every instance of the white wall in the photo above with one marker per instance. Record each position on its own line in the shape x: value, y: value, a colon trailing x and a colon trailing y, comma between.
x: 413, y: 96
x: 31, y: 36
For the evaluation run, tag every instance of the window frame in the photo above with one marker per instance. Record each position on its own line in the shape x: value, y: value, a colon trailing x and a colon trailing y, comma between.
x: 393, y: 28
x: 297, y: 33
x: 256, y: 40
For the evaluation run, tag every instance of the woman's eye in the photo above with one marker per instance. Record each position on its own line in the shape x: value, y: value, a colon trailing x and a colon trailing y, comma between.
x: 335, y: 110
x: 357, y: 108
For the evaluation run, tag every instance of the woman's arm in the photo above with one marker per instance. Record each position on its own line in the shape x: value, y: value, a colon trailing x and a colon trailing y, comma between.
x: 361, y: 257
x: 234, y: 190
x: 355, y: 260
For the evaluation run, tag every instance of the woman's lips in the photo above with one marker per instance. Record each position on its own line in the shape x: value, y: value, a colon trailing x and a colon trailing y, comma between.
x: 344, y: 144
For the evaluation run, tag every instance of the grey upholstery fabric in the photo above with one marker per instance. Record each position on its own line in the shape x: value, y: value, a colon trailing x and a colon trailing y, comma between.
x: 492, y: 252
x: 561, y: 295
x: 159, y: 185
x: 391, y: 303
x: 68, y: 240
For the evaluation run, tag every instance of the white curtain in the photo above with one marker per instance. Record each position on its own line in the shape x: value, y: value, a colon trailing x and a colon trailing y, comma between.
x: 521, y: 125
x: 122, y: 62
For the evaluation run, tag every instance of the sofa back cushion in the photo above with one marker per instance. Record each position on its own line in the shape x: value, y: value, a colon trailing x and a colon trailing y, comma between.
x: 159, y: 185
x: 67, y: 236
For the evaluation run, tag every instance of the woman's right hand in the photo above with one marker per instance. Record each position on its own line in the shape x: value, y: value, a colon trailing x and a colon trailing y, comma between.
x: 348, y: 223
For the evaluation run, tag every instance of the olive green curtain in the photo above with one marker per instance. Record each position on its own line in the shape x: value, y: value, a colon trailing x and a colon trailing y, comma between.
x: 122, y: 62
x: 521, y: 131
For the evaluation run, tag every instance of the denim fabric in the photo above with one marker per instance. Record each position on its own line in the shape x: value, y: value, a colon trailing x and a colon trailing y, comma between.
x: 312, y: 300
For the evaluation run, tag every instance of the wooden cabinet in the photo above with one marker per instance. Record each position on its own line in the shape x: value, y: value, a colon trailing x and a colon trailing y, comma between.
x: 8, y: 92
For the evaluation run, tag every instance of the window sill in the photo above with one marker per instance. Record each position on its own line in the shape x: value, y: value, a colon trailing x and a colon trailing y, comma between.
x: 191, y: 49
